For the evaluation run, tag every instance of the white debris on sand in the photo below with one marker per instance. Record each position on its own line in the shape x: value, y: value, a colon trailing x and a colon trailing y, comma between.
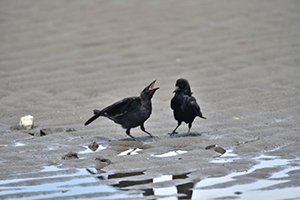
x: 26, y: 122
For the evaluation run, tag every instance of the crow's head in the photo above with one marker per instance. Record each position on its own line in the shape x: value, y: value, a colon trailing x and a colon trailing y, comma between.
x: 149, y: 91
x: 182, y: 85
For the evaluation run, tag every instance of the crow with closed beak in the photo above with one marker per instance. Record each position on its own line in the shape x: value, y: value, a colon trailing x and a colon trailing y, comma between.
x: 184, y: 105
x: 130, y: 112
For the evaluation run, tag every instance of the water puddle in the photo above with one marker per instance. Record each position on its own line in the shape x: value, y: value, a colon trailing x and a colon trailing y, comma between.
x: 171, y: 153
x: 227, y: 157
x: 161, y: 187
x: 282, y: 119
x: 51, y: 168
x: 171, y: 192
x: 79, y: 184
x: 19, y: 144
x: 283, y: 173
x: 261, y: 189
x: 88, y: 150
x: 58, y: 183
x: 132, y: 152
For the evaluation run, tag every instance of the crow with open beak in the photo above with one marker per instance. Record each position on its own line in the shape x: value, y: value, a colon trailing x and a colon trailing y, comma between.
x: 130, y: 112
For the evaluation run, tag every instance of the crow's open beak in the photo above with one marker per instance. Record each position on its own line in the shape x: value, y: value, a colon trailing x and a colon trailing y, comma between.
x: 151, y: 87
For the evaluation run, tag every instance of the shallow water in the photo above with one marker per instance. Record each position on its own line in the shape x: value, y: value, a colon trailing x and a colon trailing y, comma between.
x: 171, y: 153
x: 228, y: 156
x: 54, y: 182
x: 261, y: 189
x: 133, y: 151
x: 61, y: 185
x: 88, y: 150
x: 19, y: 144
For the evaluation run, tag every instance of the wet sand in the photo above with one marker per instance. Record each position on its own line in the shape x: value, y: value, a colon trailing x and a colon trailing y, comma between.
x: 59, y: 60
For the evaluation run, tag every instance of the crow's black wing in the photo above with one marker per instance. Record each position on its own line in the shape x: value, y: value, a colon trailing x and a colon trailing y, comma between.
x: 117, y: 109
x: 123, y: 106
x: 190, y: 102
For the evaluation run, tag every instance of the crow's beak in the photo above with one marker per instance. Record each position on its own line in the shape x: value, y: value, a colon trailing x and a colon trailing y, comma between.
x: 151, y: 87
x: 176, y: 89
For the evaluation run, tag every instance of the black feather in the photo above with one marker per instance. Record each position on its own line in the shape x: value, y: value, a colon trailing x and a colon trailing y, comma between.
x: 129, y: 112
x: 184, y: 105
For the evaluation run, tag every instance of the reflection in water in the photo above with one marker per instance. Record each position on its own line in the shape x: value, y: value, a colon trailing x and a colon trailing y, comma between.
x: 62, y: 185
x: 128, y: 152
x: 122, y: 184
x: 227, y: 186
x: 57, y: 183
x: 181, y: 191
x: 122, y: 175
x: 185, y: 189
x: 261, y: 189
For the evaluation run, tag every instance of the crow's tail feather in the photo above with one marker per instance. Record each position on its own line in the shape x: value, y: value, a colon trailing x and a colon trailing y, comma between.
x: 97, y: 113
x: 200, y: 115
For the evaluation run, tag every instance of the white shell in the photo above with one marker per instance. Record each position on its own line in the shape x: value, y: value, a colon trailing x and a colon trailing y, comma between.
x: 26, y: 122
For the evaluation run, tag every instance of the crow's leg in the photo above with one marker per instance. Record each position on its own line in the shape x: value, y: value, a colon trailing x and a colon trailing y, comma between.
x: 128, y: 133
x: 190, y: 126
x: 143, y: 129
x: 174, y: 131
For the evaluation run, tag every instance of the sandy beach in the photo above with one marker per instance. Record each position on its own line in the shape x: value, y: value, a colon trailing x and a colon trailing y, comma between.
x: 59, y: 60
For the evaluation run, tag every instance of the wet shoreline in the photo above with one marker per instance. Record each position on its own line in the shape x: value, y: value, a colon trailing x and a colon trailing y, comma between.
x: 59, y: 60
x: 130, y: 169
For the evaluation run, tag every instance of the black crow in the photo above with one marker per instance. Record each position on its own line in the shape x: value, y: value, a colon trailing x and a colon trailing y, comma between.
x: 129, y: 112
x: 184, y: 105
